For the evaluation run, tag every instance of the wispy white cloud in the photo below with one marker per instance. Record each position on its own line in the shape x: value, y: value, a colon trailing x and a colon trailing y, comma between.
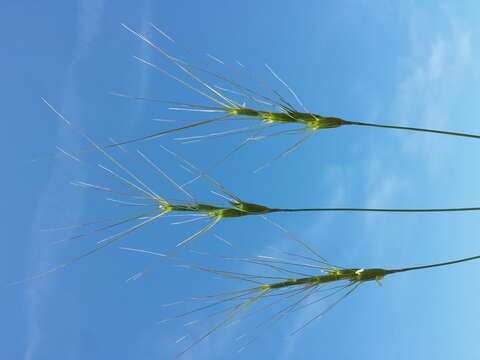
x: 89, y: 24
x: 424, y: 97
x: 429, y: 85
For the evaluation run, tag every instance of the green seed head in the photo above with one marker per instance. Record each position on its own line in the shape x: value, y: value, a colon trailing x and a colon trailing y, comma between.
x: 250, y: 208
x: 358, y: 274
x: 238, y: 209
x: 316, y: 122
x: 312, y: 121
x: 198, y: 208
x: 166, y: 207
x: 205, y: 208
x: 227, y: 213
x: 370, y: 274
x: 244, y: 112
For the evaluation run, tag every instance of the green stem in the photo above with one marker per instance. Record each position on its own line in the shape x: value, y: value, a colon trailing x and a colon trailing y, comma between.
x: 413, y: 129
x: 348, y: 209
x: 434, y: 265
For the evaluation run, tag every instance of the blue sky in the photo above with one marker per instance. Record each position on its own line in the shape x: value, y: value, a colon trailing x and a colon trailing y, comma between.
x: 401, y: 63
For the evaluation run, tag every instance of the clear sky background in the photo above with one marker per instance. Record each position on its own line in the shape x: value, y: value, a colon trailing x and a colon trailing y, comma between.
x: 389, y: 62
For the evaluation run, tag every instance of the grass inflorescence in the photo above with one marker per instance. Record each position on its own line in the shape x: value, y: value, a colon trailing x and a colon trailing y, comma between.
x: 286, y: 285
x: 280, y: 111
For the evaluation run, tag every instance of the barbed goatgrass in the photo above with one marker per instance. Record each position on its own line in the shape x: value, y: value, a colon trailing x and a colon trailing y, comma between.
x: 230, y: 110
x: 193, y: 209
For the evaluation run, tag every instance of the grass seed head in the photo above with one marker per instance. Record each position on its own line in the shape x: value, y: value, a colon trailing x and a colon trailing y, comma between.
x: 311, y: 121
x: 251, y: 208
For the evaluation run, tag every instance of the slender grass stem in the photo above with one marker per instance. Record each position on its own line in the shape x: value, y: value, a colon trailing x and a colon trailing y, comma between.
x: 421, y: 267
x: 409, y: 128
x: 352, y: 209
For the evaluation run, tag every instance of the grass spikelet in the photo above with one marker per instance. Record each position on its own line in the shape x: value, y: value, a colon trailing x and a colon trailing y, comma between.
x: 281, y: 287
